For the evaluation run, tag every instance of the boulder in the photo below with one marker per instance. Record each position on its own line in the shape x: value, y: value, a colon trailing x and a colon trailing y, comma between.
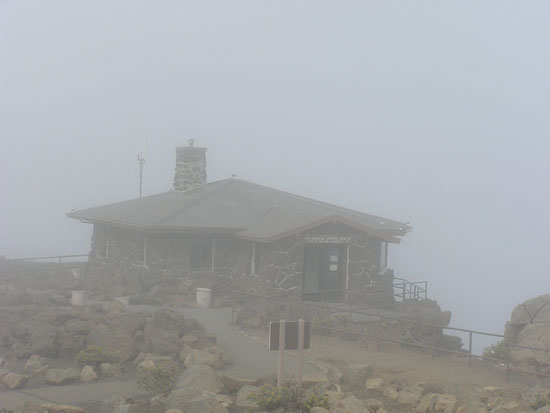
x: 351, y: 404
x: 427, y: 403
x: 40, y: 372
x: 532, y: 335
x: 508, y: 407
x: 390, y: 392
x: 34, y: 337
x: 35, y: 362
x: 445, y: 402
x: 193, y: 382
x: 184, y: 352
x: 109, y: 370
x: 224, y: 400
x: 243, y: 397
x: 198, y: 339
x: 334, y: 396
x: 356, y: 375
x: 334, y: 375
x: 113, y: 340
x: 87, y: 374
x: 535, y: 310
x: 234, y: 384
x: 15, y: 381
x: 374, y: 405
x: 374, y: 384
x: 160, y: 361
x: 204, y: 402
x: 163, y: 331
x: 529, y: 326
x: 147, y: 365
x: 318, y: 410
x: 62, y: 376
x: 213, y: 356
x: 61, y: 408
x: 410, y: 395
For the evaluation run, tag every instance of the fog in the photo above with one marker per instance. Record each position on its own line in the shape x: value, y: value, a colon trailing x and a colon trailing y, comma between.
x: 435, y: 113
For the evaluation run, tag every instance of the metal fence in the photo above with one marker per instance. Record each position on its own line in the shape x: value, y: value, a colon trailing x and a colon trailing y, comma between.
x: 16, y: 266
x: 379, y: 338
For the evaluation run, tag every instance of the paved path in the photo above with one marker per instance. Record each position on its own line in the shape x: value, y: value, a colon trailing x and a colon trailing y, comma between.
x: 251, y: 359
x: 79, y: 394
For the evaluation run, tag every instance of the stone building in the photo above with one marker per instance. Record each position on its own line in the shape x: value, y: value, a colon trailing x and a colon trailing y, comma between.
x: 233, y: 234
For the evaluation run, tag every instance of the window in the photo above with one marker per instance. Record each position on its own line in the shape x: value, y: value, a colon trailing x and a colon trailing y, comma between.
x: 101, y: 241
x: 141, y: 253
x: 201, y: 254
x: 255, y: 261
x: 383, y: 255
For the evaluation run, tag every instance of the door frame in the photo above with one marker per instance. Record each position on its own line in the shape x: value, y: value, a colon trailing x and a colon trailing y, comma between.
x: 344, y: 272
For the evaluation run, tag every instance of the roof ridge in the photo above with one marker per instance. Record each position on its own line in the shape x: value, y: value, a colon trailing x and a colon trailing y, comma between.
x: 205, y: 195
x: 326, y: 205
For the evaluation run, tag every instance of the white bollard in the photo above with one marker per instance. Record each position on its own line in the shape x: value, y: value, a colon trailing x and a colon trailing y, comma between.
x: 204, y: 296
x: 77, y: 298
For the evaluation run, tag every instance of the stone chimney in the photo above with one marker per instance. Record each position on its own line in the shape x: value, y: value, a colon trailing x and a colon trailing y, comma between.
x: 190, y: 168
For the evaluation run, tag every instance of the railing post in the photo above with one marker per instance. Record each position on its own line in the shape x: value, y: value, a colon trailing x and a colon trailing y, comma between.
x: 434, y: 338
x: 470, y: 351
x: 425, y: 290
x: 507, y: 362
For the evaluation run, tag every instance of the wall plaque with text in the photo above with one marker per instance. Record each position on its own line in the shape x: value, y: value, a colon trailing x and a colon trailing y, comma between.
x: 327, y: 239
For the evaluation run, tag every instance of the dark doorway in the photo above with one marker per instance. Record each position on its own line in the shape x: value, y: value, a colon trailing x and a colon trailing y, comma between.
x: 324, y: 271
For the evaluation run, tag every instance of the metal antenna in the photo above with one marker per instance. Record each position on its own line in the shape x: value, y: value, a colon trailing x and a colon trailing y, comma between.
x: 141, y: 163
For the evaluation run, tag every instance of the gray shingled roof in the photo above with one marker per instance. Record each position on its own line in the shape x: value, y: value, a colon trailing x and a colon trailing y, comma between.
x: 248, y: 210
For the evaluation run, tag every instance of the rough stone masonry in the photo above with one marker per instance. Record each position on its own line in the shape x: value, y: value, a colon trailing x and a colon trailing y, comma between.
x: 190, y: 168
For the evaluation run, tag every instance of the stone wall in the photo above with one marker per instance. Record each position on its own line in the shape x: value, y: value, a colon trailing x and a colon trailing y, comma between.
x: 282, y: 261
x: 116, y: 261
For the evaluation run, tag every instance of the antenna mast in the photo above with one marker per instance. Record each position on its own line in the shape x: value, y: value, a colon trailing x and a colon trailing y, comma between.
x: 141, y: 163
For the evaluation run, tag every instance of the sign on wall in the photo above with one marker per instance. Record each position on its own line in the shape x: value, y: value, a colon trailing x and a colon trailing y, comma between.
x: 327, y: 239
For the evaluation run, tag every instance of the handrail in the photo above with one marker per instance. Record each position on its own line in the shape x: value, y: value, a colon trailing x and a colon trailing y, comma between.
x: 327, y: 307
x: 47, y: 258
x: 467, y: 353
x: 419, y: 293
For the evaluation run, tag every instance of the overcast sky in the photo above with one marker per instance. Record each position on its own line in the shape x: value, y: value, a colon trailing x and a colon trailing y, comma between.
x: 435, y: 113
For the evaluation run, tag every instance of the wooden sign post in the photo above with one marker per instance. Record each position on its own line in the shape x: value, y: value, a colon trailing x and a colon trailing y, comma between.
x: 289, y: 335
x: 300, y: 352
x: 281, y: 365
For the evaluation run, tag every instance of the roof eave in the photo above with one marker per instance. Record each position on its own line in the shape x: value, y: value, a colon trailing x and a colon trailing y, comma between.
x: 383, y: 236
x: 154, y: 228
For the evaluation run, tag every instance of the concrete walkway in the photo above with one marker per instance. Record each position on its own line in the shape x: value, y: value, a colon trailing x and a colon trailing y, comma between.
x: 251, y: 359
x: 80, y: 394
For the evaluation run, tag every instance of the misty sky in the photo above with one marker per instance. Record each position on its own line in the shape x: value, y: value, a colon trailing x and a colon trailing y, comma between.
x: 431, y: 112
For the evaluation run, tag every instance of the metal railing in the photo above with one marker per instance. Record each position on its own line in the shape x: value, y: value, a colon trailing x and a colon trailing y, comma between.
x: 378, y: 337
x: 417, y: 290
x: 13, y: 265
